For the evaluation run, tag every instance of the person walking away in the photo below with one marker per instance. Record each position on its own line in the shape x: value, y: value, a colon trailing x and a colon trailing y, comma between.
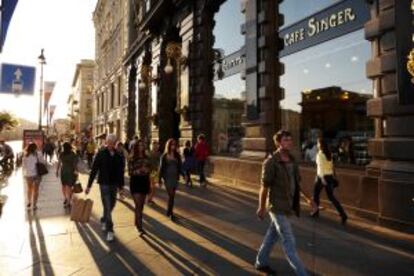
x: 90, y: 152
x: 325, y: 179
x: 154, y: 157
x: 188, y: 164
x: 122, y: 151
x: 30, y: 158
x: 280, y: 182
x: 109, y: 167
x: 67, y: 170
x: 139, y: 166
x: 201, y: 154
x: 49, y: 150
x: 170, y: 170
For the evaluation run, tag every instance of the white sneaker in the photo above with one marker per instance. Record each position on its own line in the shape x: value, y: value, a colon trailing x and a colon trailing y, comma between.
x: 110, y: 236
x: 103, y: 226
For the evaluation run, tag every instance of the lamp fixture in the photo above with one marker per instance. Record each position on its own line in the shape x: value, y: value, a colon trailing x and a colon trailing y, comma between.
x: 174, y: 51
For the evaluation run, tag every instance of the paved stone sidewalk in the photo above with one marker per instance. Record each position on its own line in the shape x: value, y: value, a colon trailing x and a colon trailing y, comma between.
x: 217, y: 233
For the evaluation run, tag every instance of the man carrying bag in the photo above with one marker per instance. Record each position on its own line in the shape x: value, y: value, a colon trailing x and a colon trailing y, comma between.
x: 109, y: 166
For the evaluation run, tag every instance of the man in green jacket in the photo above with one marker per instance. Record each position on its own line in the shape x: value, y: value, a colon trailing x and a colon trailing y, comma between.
x: 280, y: 181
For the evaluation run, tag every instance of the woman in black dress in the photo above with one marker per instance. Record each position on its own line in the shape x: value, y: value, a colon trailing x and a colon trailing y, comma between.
x: 139, y: 169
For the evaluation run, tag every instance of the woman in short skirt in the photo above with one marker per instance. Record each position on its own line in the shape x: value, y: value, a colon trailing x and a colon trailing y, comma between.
x: 139, y: 169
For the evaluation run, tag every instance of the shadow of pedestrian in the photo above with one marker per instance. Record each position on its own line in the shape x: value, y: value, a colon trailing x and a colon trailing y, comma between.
x: 113, y: 258
x: 40, y: 256
x: 183, y: 253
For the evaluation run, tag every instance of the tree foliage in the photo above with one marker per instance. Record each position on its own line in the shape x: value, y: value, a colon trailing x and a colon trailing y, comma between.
x: 7, y: 121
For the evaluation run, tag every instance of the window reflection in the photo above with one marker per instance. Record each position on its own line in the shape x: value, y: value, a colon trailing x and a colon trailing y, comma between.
x: 229, y: 96
x: 326, y: 91
x: 295, y: 10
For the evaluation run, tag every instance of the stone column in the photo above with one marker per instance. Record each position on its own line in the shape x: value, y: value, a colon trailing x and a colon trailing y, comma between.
x: 201, y: 69
x: 392, y: 148
x: 263, y: 70
x: 186, y: 34
x: 132, y: 112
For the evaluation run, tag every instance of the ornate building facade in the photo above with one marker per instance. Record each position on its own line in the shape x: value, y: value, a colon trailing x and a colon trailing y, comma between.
x: 80, y: 101
x: 174, y: 67
x: 111, y: 41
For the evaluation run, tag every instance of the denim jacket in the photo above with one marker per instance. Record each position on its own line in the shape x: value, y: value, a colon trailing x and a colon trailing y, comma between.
x: 276, y: 177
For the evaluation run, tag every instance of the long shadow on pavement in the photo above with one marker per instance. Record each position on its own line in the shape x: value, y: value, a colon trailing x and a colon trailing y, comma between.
x: 159, y: 236
x: 40, y: 257
x: 117, y: 261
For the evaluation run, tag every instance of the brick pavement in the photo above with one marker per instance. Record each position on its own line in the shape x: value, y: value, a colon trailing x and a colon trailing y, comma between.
x: 217, y: 233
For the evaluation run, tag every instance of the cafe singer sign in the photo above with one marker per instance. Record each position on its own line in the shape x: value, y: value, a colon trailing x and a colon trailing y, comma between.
x: 337, y: 20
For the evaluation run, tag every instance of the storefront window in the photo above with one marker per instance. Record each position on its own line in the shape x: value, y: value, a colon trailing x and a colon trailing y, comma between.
x: 326, y: 90
x: 229, y: 95
x: 295, y: 10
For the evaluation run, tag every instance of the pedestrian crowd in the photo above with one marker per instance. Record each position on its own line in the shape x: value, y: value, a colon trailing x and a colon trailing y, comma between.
x: 147, y: 167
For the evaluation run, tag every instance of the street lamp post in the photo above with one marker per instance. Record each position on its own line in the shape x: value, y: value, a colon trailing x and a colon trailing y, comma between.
x: 42, y: 61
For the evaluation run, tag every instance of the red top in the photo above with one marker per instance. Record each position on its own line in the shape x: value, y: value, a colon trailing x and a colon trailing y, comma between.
x: 201, y: 151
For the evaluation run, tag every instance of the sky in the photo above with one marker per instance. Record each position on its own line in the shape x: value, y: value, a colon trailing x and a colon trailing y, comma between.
x: 64, y: 28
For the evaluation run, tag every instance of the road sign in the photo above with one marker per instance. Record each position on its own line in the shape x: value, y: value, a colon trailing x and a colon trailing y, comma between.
x: 17, y: 79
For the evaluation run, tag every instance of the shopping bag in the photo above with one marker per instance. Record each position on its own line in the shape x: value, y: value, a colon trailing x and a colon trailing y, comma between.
x: 77, y: 209
x: 81, y: 210
x: 87, y: 211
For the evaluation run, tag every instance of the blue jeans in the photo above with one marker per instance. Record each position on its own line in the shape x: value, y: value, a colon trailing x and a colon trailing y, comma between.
x: 280, y: 228
x: 108, y: 196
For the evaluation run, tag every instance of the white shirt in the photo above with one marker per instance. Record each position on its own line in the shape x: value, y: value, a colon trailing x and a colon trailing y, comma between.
x: 29, y: 164
x: 324, y: 167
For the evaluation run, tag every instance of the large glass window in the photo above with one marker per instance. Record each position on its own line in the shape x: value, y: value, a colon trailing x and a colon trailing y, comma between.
x: 229, y: 96
x: 326, y: 91
x: 295, y: 10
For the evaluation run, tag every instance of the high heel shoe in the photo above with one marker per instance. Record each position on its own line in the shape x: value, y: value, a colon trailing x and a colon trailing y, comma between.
x: 343, y: 220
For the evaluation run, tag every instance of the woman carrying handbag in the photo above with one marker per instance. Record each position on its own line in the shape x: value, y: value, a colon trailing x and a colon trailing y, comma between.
x: 32, y: 160
x: 67, y: 168
x: 325, y: 179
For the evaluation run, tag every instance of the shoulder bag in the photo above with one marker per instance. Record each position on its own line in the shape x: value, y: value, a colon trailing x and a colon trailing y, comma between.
x: 40, y: 167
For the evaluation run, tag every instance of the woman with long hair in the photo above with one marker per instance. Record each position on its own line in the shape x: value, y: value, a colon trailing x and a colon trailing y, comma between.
x: 325, y: 179
x: 170, y: 170
x: 67, y: 169
x: 30, y: 158
x: 139, y: 169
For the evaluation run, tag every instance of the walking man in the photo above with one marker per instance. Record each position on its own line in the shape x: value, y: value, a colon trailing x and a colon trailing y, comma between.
x: 280, y: 181
x: 109, y: 166
x: 201, y: 154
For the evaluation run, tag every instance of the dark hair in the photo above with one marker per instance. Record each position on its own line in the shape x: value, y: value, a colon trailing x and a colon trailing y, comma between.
x: 325, y: 149
x: 201, y: 137
x: 167, y: 148
x: 279, y: 135
x: 31, y: 149
x: 188, y: 143
x: 136, y: 151
x: 67, y: 148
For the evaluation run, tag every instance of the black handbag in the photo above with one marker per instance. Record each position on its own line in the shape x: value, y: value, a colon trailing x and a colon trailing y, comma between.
x: 41, y: 168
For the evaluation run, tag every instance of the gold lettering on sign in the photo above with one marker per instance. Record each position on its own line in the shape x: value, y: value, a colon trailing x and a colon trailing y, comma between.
x: 334, y: 20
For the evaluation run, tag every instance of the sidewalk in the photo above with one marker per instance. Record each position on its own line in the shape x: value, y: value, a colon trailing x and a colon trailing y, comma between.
x: 217, y: 233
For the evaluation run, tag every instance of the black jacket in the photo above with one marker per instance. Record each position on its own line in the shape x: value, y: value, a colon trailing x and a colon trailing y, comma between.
x: 163, y: 166
x: 110, y: 169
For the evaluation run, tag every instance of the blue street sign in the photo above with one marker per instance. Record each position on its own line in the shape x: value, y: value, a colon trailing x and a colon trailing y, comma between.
x: 17, y: 79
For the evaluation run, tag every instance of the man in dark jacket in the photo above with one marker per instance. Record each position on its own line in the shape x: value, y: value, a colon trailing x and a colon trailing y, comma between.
x: 109, y: 166
x: 280, y: 181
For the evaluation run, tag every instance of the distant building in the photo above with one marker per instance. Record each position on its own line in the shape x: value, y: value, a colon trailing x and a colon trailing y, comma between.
x: 61, y: 127
x: 111, y: 37
x: 80, y: 100
x: 332, y: 110
x: 291, y: 121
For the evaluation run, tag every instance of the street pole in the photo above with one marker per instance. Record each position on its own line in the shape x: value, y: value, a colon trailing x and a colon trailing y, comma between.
x: 42, y: 61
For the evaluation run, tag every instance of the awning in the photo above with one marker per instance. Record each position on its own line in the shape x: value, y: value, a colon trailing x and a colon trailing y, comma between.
x: 7, y: 9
